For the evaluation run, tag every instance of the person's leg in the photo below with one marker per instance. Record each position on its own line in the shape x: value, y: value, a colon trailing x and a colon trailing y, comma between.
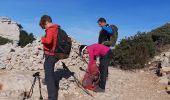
x: 107, y: 73
x: 49, y: 76
x: 109, y: 57
x: 103, y: 73
x: 104, y: 63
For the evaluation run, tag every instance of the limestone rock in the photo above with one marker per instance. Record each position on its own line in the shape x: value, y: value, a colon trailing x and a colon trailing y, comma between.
x: 9, y: 29
x: 165, y: 62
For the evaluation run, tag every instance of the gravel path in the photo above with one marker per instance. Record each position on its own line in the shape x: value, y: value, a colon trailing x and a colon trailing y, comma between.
x: 125, y: 85
x: 121, y: 85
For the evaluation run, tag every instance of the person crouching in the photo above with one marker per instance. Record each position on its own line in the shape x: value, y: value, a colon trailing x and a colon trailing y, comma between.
x: 105, y: 53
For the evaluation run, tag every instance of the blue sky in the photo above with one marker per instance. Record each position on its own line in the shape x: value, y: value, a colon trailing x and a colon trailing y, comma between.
x: 79, y: 17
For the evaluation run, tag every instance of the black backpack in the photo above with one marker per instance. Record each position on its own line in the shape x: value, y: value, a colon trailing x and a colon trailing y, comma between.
x: 63, y: 45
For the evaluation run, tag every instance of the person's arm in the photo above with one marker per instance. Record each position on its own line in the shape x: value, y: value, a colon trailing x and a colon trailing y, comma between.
x: 92, y: 58
x: 103, y: 36
x: 49, y: 37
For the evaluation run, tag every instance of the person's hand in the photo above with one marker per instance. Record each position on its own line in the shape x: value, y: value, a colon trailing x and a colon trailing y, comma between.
x: 112, y: 48
x: 98, y: 61
x: 103, y: 43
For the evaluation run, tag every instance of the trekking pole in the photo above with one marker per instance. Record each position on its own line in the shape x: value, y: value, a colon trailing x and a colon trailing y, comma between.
x: 76, y: 80
x: 83, y: 70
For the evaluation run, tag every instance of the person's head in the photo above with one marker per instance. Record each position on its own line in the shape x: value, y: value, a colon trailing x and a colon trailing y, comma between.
x: 45, y: 21
x: 102, y: 22
x: 82, y: 50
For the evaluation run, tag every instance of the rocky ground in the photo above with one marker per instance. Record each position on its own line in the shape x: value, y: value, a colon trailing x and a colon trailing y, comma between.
x: 121, y: 85
x: 18, y: 65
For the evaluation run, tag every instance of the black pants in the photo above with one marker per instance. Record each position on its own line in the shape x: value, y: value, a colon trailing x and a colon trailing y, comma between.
x: 50, y: 76
x: 104, y: 63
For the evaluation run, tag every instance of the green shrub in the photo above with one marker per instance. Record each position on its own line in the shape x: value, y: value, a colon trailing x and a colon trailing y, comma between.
x: 4, y: 40
x: 25, y: 38
x: 133, y: 52
x: 161, y: 35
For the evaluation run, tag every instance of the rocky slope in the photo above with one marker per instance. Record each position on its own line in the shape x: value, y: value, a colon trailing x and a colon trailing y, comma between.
x: 21, y: 63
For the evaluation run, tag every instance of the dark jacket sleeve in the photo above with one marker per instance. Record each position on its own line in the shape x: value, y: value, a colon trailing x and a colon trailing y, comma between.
x: 103, y: 36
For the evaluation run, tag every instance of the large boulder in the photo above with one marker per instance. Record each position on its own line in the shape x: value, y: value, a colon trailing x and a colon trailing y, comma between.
x: 9, y: 29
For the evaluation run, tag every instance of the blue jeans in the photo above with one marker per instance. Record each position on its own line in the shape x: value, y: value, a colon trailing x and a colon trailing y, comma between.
x: 103, y: 67
x: 50, y: 76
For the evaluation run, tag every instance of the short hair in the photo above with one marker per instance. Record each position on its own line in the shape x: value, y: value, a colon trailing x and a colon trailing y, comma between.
x: 81, y: 48
x: 102, y: 20
x: 43, y: 20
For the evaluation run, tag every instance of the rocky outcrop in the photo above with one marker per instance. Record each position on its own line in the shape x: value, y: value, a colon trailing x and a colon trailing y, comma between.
x: 30, y: 59
x: 162, y: 64
x: 4, y: 50
x: 9, y: 29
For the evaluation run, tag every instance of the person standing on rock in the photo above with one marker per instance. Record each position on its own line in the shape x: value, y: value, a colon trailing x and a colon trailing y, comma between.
x: 105, y: 54
x: 49, y: 44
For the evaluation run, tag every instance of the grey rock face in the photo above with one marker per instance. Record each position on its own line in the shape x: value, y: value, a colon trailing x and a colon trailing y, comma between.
x: 9, y: 29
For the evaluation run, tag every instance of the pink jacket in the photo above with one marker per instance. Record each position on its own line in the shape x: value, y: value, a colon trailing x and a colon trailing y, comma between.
x: 95, y: 50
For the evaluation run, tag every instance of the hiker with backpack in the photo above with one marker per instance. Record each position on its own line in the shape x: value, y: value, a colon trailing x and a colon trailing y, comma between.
x: 108, y: 34
x: 57, y: 45
x: 105, y: 55
x: 49, y: 45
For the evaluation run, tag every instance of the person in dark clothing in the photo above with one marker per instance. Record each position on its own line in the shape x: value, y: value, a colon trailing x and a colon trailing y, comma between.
x: 105, y: 32
x: 104, y: 36
x: 49, y: 44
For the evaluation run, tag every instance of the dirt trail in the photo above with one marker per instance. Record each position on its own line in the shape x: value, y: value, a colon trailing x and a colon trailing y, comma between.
x: 123, y: 85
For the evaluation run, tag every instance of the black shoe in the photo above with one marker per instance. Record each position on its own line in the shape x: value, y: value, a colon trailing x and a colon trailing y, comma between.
x: 98, y: 89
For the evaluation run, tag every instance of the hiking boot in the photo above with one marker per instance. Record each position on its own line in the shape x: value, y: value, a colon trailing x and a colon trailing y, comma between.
x: 98, y: 89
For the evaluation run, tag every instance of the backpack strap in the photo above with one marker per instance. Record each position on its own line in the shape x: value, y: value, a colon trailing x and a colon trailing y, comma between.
x: 108, y: 29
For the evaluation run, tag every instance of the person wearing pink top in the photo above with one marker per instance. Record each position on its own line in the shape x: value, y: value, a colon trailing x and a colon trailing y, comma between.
x: 105, y: 54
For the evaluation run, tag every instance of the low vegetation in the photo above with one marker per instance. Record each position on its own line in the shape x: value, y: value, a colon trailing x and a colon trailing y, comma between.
x: 133, y: 52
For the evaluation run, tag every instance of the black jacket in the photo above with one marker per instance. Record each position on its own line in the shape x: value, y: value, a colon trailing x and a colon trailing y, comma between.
x: 103, y: 36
